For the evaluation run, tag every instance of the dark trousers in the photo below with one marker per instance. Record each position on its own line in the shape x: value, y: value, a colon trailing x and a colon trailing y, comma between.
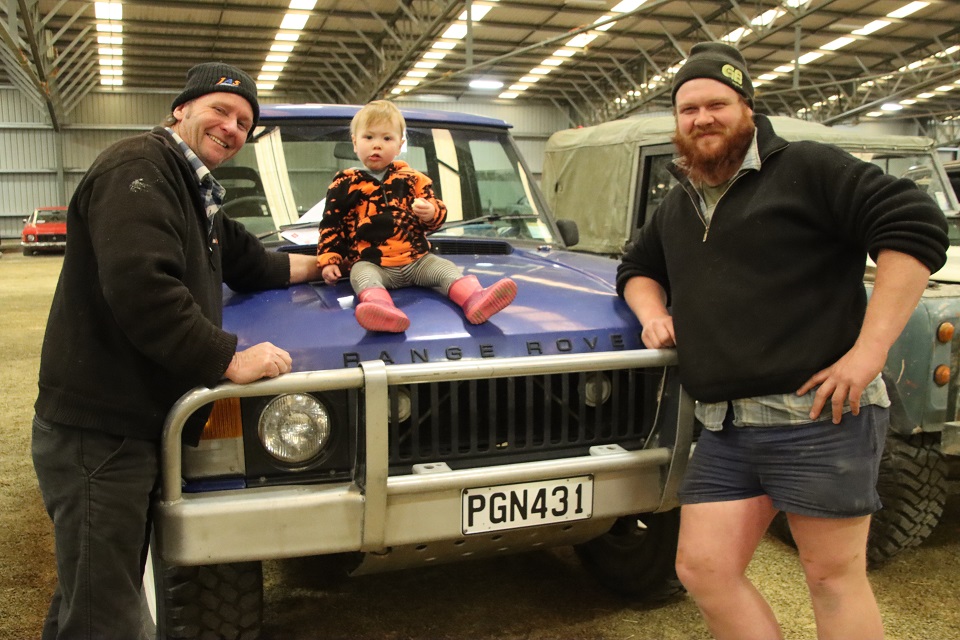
x: 96, y: 488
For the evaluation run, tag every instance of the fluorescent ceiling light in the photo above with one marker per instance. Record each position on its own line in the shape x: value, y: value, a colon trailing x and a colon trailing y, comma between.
x: 540, y: 71
x: 604, y: 27
x: 287, y: 36
x: 425, y: 65
x: 908, y: 102
x: 891, y: 106
x: 508, y: 95
x: 627, y: 5
x: 265, y: 86
x: 111, y: 72
x: 269, y: 77
x: 115, y: 82
x: 769, y: 76
x: 907, y: 9
x: 109, y: 51
x: 284, y: 48
x: 767, y: 17
x: 838, y: 44
x: 277, y: 68
x: 926, y: 95
x: 456, y: 31
x: 552, y: 62
x: 564, y: 53
x: 946, y: 87
x: 417, y: 74
x: 109, y: 40
x: 294, y: 21
x: 736, y: 35
x: 807, y: 58
x: 303, y: 5
x: 110, y: 28
x: 785, y: 68
x: 108, y: 10
x: 442, y: 44
x: 477, y: 12
x: 434, y: 55
x: 869, y: 28
x: 111, y: 62
x: 530, y: 79
x: 485, y: 84
x: 581, y: 40
x: 275, y: 58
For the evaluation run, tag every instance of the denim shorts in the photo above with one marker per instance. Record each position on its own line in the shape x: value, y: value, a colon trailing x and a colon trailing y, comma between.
x: 819, y: 469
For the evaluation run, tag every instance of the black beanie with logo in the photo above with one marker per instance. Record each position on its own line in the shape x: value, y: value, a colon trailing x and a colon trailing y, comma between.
x: 716, y: 61
x: 210, y: 77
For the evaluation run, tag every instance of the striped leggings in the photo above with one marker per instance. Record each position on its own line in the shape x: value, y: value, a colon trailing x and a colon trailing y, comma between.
x: 429, y: 271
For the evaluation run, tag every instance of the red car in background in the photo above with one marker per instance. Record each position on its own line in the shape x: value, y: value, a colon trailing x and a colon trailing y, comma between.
x: 44, y: 230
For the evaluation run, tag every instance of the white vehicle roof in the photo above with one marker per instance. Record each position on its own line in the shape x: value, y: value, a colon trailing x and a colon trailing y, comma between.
x: 642, y: 131
x: 590, y: 174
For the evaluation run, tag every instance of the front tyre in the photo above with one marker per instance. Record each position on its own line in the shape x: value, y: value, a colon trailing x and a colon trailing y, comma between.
x: 208, y: 602
x: 636, y: 557
x: 913, y: 489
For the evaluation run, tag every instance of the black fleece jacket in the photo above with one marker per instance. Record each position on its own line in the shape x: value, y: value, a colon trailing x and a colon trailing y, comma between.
x: 136, y: 316
x: 774, y: 291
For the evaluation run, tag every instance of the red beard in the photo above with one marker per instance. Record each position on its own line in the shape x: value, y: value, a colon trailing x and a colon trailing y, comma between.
x: 719, y: 163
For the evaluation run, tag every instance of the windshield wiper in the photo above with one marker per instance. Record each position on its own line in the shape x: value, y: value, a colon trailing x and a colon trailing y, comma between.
x: 491, y: 217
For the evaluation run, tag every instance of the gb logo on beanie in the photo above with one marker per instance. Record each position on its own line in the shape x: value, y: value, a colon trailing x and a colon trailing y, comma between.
x: 735, y: 75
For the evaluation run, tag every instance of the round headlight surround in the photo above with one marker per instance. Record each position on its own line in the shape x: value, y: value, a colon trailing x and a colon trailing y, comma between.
x: 295, y: 428
x: 597, y: 389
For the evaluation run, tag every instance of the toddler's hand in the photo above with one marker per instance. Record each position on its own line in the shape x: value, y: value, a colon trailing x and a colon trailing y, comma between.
x: 331, y: 273
x: 424, y: 210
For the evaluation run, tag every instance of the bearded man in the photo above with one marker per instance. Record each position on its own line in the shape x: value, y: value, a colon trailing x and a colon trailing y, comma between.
x: 752, y: 268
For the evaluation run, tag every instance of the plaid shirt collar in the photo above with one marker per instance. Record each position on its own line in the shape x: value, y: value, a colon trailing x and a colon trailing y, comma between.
x: 211, y: 191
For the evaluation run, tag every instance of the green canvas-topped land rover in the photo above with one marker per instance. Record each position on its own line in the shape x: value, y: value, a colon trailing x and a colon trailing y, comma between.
x: 611, y: 177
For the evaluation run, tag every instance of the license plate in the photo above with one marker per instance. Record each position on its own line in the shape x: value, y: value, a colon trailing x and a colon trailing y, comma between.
x: 530, y: 504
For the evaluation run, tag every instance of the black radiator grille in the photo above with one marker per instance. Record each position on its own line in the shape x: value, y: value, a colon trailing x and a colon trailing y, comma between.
x: 476, y: 419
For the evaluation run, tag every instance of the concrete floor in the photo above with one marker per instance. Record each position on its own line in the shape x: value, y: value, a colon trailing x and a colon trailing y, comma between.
x: 538, y: 596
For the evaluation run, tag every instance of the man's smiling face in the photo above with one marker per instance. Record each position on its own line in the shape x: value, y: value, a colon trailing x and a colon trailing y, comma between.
x: 214, y: 125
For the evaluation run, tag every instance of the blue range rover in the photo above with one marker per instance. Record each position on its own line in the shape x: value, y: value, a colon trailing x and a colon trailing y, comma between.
x: 547, y: 425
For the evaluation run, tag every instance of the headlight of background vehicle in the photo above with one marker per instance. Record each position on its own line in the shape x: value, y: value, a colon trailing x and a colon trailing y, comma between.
x: 294, y: 428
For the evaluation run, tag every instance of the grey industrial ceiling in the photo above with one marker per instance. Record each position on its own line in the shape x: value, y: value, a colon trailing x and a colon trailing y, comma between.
x: 356, y: 50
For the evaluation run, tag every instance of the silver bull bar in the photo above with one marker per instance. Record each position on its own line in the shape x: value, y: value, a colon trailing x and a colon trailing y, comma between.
x: 374, y: 377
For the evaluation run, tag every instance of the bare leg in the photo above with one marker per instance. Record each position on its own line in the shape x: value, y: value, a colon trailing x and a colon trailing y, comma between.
x: 833, y: 554
x: 717, y: 541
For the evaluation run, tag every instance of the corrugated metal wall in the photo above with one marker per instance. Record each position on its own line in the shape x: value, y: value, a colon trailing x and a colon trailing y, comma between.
x: 40, y: 167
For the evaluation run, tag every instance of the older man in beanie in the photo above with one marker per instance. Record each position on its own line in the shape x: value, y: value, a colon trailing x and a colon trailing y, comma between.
x: 753, y: 268
x: 135, y: 323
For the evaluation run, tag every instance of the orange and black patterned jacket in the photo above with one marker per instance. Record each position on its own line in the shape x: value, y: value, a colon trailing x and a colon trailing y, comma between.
x: 364, y: 219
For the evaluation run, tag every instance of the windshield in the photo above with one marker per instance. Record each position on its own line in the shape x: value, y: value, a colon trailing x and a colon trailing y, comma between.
x: 922, y: 169
x: 279, y: 180
x: 43, y: 216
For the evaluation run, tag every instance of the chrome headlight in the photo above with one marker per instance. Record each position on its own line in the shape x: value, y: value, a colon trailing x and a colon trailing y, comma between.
x: 294, y: 428
x: 404, y: 405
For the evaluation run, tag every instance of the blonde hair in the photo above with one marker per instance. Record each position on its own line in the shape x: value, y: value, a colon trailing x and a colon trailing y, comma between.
x: 377, y: 112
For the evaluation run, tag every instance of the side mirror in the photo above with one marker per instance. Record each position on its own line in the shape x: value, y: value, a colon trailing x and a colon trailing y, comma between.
x: 569, y: 232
